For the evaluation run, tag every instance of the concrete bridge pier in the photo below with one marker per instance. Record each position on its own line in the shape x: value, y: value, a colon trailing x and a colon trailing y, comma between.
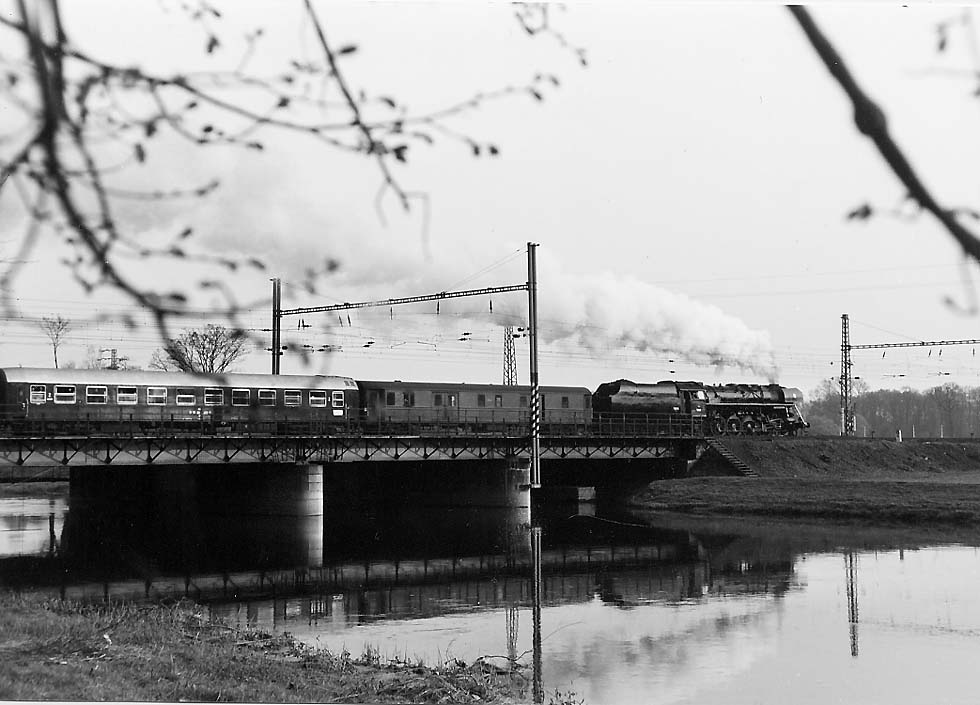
x: 501, y: 482
x: 196, y: 512
x: 267, y: 489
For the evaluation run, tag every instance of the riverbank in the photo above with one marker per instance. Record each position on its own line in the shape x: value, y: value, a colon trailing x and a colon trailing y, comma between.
x: 64, y: 651
x: 933, y: 483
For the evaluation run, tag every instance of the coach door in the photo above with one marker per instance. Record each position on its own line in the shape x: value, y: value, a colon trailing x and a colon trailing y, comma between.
x: 446, y: 406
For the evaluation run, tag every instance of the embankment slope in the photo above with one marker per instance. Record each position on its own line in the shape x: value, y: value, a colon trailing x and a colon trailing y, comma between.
x: 934, y: 482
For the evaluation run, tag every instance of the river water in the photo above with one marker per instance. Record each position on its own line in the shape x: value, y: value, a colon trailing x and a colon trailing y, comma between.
x: 656, y: 609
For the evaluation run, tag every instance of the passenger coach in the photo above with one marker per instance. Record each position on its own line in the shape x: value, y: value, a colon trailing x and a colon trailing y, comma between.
x: 470, y: 407
x: 117, y: 399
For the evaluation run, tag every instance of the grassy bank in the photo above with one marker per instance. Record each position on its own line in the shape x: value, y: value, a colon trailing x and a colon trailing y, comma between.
x: 877, y: 500
x: 923, y: 483
x: 55, y: 650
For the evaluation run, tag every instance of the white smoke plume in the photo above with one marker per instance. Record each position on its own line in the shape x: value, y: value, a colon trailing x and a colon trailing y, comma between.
x: 600, y: 313
x: 603, y: 312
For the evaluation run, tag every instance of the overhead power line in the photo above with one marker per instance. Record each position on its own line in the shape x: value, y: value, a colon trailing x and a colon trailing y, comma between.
x: 846, y: 403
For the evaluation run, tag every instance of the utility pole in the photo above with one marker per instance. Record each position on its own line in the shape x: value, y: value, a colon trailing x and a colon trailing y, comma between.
x: 510, y: 357
x: 846, y: 410
x: 276, y: 325
x: 532, y: 333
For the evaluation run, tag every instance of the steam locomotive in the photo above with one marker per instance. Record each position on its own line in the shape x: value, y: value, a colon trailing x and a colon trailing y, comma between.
x: 729, y: 409
x: 98, y: 402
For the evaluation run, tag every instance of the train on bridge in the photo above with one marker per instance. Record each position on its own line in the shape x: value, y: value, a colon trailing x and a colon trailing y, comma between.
x: 37, y: 401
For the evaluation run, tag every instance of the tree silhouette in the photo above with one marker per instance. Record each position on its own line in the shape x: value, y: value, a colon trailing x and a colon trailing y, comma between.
x: 211, y: 350
x: 57, y: 329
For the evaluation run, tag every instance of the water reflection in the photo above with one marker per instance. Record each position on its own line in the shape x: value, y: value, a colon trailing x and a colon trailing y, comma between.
x: 611, y: 607
x: 30, y: 525
x: 850, y: 568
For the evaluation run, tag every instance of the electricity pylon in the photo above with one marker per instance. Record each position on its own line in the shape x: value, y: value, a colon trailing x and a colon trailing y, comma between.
x: 510, y: 357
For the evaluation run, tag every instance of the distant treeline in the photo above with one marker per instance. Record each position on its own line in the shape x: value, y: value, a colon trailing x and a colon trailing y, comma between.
x: 948, y: 411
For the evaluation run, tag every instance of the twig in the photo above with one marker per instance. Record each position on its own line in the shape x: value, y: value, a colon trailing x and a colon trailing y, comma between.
x: 871, y: 122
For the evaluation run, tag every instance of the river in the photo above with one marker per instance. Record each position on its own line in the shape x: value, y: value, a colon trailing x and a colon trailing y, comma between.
x: 612, y: 607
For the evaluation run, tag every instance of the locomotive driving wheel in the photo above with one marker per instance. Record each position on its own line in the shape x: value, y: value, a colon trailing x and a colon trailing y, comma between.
x: 734, y: 425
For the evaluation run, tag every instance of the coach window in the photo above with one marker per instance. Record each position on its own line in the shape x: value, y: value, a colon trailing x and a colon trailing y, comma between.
x: 453, y: 400
x: 498, y: 400
x: 337, y: 400
x: 214, y: 396
x: 542, y: 402
x: 523, y: 400
x: 156, y: 395
x: 267, y: 397
x: 318, y: 398
x: 186, y: 397
x: 436, y: 400
x: 389, y: 399
x: 125, y: 395
x: 64, y: 394
x: 564, y: 402
x: 38, y: 394
x: 481, y: 400
x: 241, y: 397
x: 408, y: 398
x: 96, y: 395
x: 292, y: 397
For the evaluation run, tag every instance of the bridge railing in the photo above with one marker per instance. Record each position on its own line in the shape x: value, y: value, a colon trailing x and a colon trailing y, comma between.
x: 137, y: 422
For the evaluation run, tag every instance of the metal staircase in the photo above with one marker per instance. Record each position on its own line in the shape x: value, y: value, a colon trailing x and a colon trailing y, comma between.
x: 732, y: 459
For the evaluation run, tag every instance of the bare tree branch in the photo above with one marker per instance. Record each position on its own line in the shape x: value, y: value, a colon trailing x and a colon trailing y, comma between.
x: 871, y: 122
x: 90, y: 120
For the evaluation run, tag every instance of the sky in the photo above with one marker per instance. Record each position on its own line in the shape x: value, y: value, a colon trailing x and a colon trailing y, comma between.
x: 688, y: 189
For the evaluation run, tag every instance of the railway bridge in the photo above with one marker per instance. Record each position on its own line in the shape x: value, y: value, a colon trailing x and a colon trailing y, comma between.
x: 307, y: 473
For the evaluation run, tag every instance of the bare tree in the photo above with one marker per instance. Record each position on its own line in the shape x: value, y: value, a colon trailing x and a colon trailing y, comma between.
x: 57, y: 329
x: 211, y: 350
x: 86, y: 122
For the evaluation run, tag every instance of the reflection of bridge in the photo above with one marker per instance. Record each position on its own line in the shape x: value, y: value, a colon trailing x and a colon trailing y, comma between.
x: 162, y: 449
x: 622, y: 575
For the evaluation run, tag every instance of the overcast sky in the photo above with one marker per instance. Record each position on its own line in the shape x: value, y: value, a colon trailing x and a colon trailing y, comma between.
x: 688, y: 190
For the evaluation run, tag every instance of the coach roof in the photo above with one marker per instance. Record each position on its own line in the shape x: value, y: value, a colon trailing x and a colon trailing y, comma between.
x: 143, y: 378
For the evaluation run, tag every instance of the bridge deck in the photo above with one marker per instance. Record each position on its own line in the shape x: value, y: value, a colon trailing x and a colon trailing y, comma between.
x: 74, y: 451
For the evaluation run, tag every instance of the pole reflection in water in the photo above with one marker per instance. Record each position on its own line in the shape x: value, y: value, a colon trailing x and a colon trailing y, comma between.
x: 513, y: 623
x: 537, y: 688
x: 850, y: 568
